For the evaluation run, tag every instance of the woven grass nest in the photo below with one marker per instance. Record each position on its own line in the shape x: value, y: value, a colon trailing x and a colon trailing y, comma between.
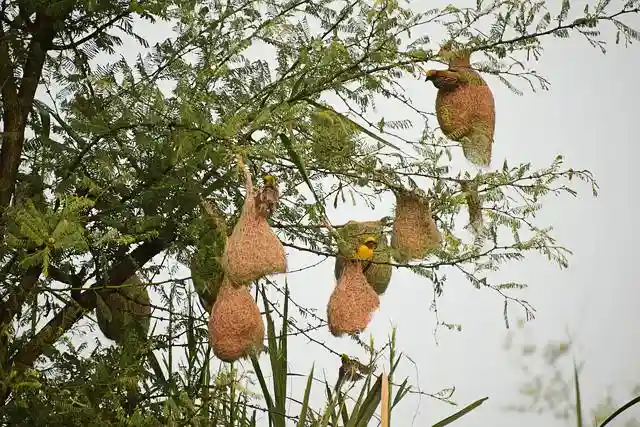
x: 414, y: 232
x: 207, y: 272
x: 236, y: 329
x: 474, y: 205
x: 464, y: 105
x: 253, y: 250
x: 124, y: 310
x: 352, y: 302
x: 354, y: 233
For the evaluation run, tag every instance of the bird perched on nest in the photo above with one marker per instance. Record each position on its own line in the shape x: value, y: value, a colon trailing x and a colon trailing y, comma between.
x: 352, y: 369
x: 365, y: 251
x: 267, y: 197
x: 464, y: 105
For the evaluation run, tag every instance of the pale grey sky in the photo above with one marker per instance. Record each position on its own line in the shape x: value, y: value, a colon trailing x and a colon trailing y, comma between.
x: 589, y: 117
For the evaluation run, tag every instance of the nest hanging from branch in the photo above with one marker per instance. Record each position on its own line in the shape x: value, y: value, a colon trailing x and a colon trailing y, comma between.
x: 253, y: 250
x: 236, y: 329
x: 414, y: 232
x: 465, y: 107
x: 474, y: 205
x: 206, y: 267
x: 124, y: 311
x: 352, y: 302
x: 354, y: 234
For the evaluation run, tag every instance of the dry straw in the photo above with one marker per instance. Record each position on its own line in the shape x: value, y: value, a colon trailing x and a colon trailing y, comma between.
x: 465, y: 106
x: 354, y: 234
x: 124, y: 310
x: 352, y: 302
x: 236, y: 329
x: 253, y: 250
x: 414, y: 232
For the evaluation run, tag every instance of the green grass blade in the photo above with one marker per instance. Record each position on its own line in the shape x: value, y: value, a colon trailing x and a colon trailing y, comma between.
x: 263, y: 386
x: 305, y: 401
x: 278, y: 369
x: 620, y: 410
x: 578, y: 398
x: 370, y: 404
x: 460, y: 413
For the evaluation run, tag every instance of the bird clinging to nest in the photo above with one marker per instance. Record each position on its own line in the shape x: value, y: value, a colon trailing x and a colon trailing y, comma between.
x: 267, y: 197
x: 352, y: 369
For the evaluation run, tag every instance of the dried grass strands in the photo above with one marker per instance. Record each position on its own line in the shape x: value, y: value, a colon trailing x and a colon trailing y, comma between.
x: 414, y: 232
x: 253, y: 250
x: 354, y: 233
x: 465, y: 107
x: 124, y: 311
x: 352, y: 302
x: 236, y: 329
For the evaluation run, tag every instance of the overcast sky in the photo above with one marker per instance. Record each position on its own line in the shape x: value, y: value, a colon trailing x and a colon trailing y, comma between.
x: 589, y: 116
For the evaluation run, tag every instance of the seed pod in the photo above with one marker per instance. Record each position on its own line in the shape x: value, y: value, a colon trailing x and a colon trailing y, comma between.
x: 352, y: 302
x: 465, y: 106
x: 253, y: 250
x: 414, y: 232
x: 354, y: 233
x: 124, y: 311
x: 236, y: 329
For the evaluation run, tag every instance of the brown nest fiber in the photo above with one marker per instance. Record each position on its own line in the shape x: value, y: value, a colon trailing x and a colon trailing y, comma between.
x: 236, y: 329
x: 124, y: 311
x: 253, y: 250
x: 465, y: 106
x: 414, y: 232
x: 354, y: 234
x: 352, y: 302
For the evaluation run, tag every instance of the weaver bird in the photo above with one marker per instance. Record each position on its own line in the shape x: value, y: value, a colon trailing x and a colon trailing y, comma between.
x: 267, y: 196
x: 352, y: 369
x: 366, y: 250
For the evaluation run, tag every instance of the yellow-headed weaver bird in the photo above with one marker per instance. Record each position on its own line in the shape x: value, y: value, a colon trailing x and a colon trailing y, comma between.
x: 352, y: 369
x: 366, y: 250
x: 267, y: 197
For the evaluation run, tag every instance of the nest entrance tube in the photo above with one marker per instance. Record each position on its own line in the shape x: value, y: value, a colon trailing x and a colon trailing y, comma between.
x: 352, y: 302
x: 253, y: 250
x: 236, y: 329
x: 415, y: 233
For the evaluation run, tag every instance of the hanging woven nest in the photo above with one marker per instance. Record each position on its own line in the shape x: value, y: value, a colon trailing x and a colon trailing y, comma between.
x: 124, y: 311
x: 236, y: 329
x: 206, y: 268
x: 355, y: 234
x: 253, y: 250
x: 414, y: 232
x: 474, y: 205
x: 352, y: 302
x: 464, y: 105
